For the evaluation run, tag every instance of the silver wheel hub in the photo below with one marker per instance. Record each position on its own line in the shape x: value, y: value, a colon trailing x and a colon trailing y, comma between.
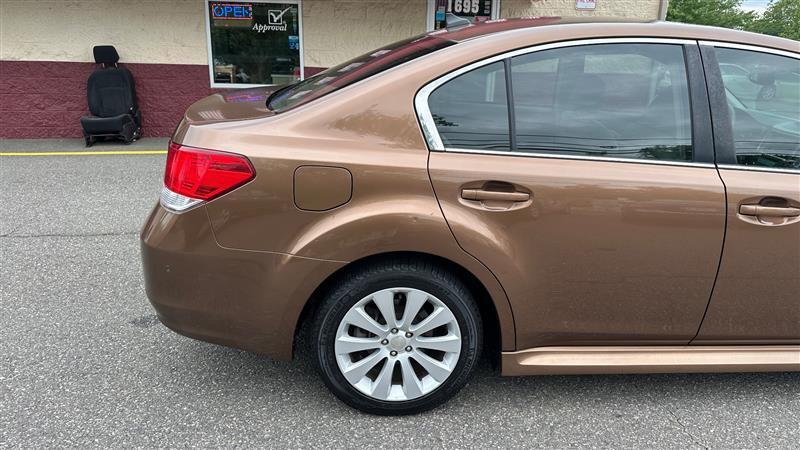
x: 398, y: 344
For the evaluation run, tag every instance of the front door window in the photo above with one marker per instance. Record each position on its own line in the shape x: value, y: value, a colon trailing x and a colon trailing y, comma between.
x: 763, y: 92
x: 608, y: 100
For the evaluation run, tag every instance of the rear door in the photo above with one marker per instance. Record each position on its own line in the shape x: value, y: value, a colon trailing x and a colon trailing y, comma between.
x: 582, y: 175
x: 757, y: 128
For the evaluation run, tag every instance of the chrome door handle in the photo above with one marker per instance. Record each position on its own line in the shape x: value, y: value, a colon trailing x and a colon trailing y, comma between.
x: 768, y: 211
x: 481, y: 194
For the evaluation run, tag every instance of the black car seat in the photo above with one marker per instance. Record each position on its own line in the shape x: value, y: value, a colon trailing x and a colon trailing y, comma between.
x: 112, y: 100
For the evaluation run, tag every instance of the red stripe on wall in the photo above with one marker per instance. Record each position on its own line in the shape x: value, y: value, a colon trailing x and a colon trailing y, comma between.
x: 45, y: 99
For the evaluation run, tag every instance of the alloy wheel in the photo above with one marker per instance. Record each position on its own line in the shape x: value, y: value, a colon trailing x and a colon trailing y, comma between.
x: 398, y: 344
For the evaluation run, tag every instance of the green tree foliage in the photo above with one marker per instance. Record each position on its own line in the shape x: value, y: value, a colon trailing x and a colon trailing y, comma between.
x: 719, y: 13
x: 782, y: 18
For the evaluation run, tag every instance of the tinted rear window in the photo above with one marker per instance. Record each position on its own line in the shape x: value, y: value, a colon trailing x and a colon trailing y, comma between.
x: 355, y: 70
x: 471, y: 110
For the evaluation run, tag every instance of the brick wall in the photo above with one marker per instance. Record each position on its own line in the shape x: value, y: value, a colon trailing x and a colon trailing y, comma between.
x: 337, y: 30
x: 635, y: 9
x: 174, y: 31
x: 47, y: 99
x: 144, y: 31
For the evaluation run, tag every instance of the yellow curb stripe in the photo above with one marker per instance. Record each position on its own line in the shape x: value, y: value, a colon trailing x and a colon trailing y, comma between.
x: 120, y: 152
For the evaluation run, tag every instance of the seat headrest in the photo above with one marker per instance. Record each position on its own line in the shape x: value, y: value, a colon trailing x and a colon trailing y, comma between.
x: 105, y: 54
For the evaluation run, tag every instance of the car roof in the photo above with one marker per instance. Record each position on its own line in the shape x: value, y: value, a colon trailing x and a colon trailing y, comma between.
x: 611, y: 27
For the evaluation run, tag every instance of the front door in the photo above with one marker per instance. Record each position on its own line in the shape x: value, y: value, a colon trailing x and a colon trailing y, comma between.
x: 757, y: 295
x: 573, y: 174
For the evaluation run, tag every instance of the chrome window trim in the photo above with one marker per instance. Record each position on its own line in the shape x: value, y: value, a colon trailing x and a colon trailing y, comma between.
x: 425, y: 117
x: 752, y: 48
x: 657, y: 162
x: 759, y: 169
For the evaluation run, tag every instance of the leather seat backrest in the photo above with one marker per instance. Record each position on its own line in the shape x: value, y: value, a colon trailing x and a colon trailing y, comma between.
x: 111, y: 92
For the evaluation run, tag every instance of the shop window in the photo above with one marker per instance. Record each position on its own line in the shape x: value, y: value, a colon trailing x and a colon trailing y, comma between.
x: 472, y: 10
x: 254, y: 43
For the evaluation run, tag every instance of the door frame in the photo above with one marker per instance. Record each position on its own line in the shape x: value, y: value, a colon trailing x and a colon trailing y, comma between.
x: 700, y: 113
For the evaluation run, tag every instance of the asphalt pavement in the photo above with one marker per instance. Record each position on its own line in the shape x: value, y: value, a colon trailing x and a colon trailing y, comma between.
x: 84, y: 362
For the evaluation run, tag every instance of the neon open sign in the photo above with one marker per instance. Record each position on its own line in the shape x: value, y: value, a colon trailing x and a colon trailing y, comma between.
x: 242, y: 11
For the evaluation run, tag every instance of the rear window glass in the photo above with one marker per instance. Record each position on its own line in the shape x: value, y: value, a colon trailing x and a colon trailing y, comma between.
x: 355, y: 70
x: 471, y: 110
x: 604, y: 100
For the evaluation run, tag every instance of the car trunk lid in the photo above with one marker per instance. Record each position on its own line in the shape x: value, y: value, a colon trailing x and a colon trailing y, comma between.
x: 240, y: 104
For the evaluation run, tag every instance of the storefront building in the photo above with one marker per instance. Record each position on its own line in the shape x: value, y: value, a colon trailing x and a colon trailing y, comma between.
x: 182, y: 50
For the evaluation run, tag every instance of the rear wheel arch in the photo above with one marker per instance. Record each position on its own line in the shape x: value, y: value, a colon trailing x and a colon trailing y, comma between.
x: 493, y: 336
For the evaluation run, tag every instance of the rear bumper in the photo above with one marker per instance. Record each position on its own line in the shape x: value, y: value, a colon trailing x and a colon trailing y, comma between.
x: 244, y: 299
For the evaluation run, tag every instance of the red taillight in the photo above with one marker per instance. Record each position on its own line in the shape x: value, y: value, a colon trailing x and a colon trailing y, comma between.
x: 205, y: 174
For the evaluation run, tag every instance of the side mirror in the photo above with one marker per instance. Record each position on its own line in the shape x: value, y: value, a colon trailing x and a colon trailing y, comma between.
x: 762, y: 76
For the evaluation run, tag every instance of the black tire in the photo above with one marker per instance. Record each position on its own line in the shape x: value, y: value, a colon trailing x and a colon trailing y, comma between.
x: 422, y: 274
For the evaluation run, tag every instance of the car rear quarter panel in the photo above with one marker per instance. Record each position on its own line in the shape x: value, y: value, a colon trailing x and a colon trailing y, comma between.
x: 392, y: 207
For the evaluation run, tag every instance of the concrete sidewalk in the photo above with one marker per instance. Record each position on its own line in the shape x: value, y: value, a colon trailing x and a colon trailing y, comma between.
x: 78, y: 145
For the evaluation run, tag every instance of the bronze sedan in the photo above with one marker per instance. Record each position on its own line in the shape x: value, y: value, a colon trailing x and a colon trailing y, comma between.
x: 570, y: 197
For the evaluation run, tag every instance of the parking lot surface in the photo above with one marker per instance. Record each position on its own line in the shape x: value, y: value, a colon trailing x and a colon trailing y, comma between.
x: 84, y: 362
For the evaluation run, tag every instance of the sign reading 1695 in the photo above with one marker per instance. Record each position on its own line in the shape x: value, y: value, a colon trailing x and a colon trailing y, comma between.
x: 464, y: 6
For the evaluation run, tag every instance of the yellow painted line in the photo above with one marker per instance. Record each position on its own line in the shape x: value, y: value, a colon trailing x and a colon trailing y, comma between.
x: 111, y: 152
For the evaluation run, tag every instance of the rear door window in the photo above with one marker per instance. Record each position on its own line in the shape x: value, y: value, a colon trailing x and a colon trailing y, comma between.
x: 763, y: 93
x: 604, y: 100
